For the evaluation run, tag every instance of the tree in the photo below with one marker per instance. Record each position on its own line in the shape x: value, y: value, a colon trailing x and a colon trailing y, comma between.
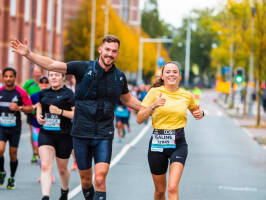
x: 151, y: 22
x: 77, y: 39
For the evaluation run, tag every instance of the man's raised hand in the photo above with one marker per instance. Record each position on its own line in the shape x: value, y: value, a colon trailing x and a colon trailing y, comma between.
x: 20, y: 48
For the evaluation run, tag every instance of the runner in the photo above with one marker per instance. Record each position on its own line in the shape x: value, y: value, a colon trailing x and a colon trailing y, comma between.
x: 122, y: 117
x: 31, y: 86
x: 167, y: 104
x: 54, y: 112
x: 99, y: 87
x: 35, y: 98
x: 43, y: 83
x: 13, y: 100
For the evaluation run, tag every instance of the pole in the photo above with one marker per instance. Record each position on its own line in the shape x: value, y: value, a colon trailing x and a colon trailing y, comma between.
x: 187, y: 58
x: 158, y: 53
x: 106, y: 22
x: 141, y: 41
x: 251, y: 65
x: 93, y: 16
x: 139, y: 80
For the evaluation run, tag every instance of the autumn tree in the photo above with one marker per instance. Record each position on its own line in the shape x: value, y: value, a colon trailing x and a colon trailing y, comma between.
x: 77, y: 39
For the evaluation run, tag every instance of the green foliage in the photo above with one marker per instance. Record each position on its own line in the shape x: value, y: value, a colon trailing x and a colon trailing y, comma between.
x: 151, y: 22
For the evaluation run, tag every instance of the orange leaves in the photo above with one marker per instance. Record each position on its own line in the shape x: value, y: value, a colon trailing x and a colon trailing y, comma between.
x: 77, y: 39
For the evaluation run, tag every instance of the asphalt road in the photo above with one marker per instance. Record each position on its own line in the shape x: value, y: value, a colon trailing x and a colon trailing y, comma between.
x: 223, y: 163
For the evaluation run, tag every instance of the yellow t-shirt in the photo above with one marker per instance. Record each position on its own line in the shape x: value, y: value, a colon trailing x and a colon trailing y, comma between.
x: 173, y: 114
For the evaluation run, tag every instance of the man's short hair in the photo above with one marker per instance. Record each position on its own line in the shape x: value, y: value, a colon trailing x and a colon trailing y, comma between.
x: 9, y: 69
x: 111, y: 38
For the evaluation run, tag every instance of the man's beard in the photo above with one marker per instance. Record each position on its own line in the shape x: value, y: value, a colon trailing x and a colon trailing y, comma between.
x: 10, y: 84
x: 107, y: 65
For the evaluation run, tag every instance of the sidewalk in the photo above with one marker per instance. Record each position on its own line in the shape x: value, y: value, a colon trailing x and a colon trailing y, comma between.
x: 248, y: 122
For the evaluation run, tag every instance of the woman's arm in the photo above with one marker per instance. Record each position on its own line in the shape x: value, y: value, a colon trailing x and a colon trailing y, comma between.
x: 39, y: 115
x: 197, y: 113
x: 145, y: 112
x: 66, y: 113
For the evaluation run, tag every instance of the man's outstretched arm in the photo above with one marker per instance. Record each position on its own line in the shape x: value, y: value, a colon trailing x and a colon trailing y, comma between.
x: 44, y: 62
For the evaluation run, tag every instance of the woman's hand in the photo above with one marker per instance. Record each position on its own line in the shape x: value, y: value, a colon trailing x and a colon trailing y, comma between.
x: 198, y: 113
x: 160, y: 101
x: 40, y: 119
x: 55, y: 110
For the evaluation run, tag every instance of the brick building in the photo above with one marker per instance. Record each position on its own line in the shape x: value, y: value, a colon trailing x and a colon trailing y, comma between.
x: 42, y: 22
x: 128, y: 10
x: 38, y: 21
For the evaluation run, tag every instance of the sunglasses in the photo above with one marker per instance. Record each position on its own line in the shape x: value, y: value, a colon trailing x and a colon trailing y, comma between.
x: 44, y: 82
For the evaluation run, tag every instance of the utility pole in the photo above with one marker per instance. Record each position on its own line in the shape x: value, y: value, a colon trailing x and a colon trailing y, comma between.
x: 106, y: 21
x: 187, y: 58
x: 93, y: 17
x: 251, y: 64
x: 141, y: 41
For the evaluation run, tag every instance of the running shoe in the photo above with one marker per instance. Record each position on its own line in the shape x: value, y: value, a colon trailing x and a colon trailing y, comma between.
x: 2, y: 177
x: 11, y: 184
x: 63, y: 195
x: 34, y: 159
x: 124, y: 132
x: 74, y: 166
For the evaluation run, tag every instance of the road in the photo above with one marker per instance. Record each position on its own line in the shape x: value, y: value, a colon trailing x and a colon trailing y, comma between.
x: 223, y: 163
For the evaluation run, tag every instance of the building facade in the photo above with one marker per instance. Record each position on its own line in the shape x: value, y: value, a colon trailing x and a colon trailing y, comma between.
x: 128, y: 10
x: 42, y: 22
x: 38, y: 21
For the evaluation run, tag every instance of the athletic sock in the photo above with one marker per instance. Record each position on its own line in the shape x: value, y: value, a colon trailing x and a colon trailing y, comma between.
x: 45, y: 197
x: 64, y: 192
x: 2, y: 161
x: 99, y: 195
x: 13, y: 167
x: 88, y: 193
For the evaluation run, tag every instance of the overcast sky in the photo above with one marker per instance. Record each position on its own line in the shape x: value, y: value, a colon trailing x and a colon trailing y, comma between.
x: 173, y: 11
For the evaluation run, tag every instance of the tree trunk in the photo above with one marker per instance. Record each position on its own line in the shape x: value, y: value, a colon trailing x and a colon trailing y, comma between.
x: 258, y: 101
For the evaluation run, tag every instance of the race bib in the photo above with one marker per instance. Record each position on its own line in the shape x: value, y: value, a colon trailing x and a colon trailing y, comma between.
x: 8, y: 120
x: 52, y: 122
x: 163, y: 139
x: 120, y: 108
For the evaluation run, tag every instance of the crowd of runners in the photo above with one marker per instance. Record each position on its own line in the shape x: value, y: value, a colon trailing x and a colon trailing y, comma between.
x: 77, y: 117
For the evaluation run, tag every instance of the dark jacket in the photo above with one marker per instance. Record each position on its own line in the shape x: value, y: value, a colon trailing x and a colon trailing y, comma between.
x: 97, y: 92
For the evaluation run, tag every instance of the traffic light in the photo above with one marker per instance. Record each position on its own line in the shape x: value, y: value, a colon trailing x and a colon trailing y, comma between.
x: 239, y: 75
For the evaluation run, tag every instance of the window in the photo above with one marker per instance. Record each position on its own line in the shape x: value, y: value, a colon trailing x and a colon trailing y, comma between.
x: 125, y: 10
x: 27, y: 11
x: 39, y: 13
x: 11, y: 57
x: 50, y: 14
x: 13, y: 5
x: 59, y: 16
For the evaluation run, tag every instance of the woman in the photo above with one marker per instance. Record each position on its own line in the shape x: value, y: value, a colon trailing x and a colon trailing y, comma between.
x: 168, y: 104
x: 54, y: 113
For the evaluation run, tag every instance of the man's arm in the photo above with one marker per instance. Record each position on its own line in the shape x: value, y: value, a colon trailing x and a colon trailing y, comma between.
x: 44, y: 62
x: 130, y: 101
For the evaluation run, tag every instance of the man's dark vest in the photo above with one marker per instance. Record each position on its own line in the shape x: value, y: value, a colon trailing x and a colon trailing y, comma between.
x: 95, y: 99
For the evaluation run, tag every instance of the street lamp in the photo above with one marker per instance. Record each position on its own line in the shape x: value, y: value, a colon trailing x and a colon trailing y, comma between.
x: 93, y: 16
x: 141, y: 41
x: 187, y: 58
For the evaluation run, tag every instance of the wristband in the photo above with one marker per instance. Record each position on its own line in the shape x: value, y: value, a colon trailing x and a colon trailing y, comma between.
x: 203, y: 114
x: 61, y: 112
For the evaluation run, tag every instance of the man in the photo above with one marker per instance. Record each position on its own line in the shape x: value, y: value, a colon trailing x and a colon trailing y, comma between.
x: 32, y: 86
x: 99, y: 87
x: 13, y: 100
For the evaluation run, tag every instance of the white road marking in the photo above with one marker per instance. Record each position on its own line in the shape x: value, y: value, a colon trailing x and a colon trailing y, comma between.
x: 117, y: 158
x: 244, y: 189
